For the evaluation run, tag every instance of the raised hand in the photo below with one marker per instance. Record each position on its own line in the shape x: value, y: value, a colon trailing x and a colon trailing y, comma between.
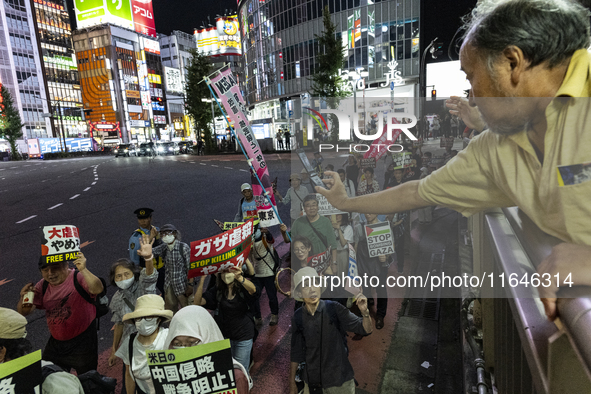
x: 145, y: 249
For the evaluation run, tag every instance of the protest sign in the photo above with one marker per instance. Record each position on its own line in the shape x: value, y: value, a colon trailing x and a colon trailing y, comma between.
x: 376, y: 149
x: 355, y: 287
x: 222, y: 251
x: 320, y: 261
x: 225, y: 226
x: 446, y: 142
x: 21, y: 375
x: 266, y: 214
x: 325, y: 208
x: 379, y: 239
x: 60, y: 243
x: 402, y: 160
x: 370, y: 162
x: 228, y: 92
x: 203, y: 369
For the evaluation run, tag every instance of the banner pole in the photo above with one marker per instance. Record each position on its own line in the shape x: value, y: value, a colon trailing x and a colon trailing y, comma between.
x: 248, y: 160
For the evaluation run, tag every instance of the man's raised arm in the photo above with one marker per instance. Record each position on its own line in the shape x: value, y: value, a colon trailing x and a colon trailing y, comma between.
x: 403, y: 197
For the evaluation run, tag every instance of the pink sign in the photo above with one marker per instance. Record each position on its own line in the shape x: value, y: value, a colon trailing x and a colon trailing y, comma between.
x: 229, y: 94
x: 377, y: 151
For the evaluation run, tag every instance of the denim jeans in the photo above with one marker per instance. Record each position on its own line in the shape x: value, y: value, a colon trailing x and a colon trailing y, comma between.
x: 241, y: 351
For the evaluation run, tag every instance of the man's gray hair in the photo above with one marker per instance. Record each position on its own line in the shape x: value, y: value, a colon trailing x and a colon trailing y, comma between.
x: 545, y: 30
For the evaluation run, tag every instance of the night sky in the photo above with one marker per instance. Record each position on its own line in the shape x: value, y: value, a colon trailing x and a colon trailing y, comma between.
x: 186, y: 15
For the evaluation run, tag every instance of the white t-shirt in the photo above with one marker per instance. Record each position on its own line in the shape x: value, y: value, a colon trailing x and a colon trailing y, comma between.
x: 347, y: 234
x: 140, y: 372
x: 262, y: 267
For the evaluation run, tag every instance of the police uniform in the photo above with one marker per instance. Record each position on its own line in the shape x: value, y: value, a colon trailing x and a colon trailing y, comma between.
x: 134, y: 246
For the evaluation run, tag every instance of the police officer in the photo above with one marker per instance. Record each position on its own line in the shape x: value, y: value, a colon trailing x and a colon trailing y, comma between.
x: 144, y: 219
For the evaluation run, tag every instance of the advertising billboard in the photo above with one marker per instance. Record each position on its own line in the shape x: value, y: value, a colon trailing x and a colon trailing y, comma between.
x: 151, y: 46
x: 172, y: 78
x: 95, y: 12
x: 143, y: 17
x: 221, y: 40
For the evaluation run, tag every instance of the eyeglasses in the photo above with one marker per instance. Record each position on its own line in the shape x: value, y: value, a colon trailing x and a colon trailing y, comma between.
x: 311, y: 206
x: 167, y: 232
x: 177, y: 343
x: 300, y: 250
x: 149, y: 319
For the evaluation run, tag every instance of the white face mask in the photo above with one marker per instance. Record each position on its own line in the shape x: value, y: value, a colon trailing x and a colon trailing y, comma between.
x: 147, y: 326
x: 228, y: 277
x: 125, y: 283
x: 168, y: 239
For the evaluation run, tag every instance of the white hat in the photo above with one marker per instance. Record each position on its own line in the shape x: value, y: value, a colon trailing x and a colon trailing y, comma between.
x: 149, y: 305
x: 299, y: 277
x: 13, y: 324
x: 245, y: 186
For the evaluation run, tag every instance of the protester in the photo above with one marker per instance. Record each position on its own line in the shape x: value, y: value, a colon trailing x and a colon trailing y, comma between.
x: 148, y: 317
x: 369, y: 184
x: 319, y: 338
x: 264, y: 256
x: 231, y: 298
x: 13, y: 344
x: 306, y: 182
x: 349, y: 185
x: 344, y: 234
x: 352, y: 169
x: 316, y: 228
x: 73, y: 342
x: 248, y: 207
x: 317, y: 163
x: 176, y: 257
x: 294, y: 195
x: 194, y: 326
x: 144, y: 219
x: 521, y: 89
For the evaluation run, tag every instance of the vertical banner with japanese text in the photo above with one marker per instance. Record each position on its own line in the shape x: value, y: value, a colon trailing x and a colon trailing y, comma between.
x: 222, y: 251
x: 203, y: 369
x: 21, y: 375
x: 60, y: 243
x: 228, y: 92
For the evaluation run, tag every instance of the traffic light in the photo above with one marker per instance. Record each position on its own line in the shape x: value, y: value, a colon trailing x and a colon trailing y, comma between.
x: 436, y: 49
x: 434, y: 94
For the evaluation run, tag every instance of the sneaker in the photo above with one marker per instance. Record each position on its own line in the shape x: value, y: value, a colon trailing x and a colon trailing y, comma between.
x: 274, y: 320
x: 258, y: 321
x: 379, y: 322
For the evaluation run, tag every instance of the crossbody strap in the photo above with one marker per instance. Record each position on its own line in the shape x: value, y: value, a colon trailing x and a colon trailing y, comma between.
x: 130, y: 349
x: 320, y: 236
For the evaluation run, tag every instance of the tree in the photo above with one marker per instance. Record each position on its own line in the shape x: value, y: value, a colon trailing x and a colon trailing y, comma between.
x: 326, y: 81
x: 196, y: 90
x: 11, y: 124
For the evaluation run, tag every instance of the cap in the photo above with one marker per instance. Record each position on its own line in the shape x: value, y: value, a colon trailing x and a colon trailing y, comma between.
x: 295, y: 176
x: 143, y: 213
x: 13, y: 324
x: 245, y: 186
x: 168, y: 227
x: 149, y: 305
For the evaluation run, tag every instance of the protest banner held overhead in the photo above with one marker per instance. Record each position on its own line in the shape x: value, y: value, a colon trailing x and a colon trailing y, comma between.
x: 60, y: 243
x: 402, y: 160
x: 225, y: 226
x: 21, y: 375
x: 376, y: 149
x: 228, y: 92
x: 379, y: 239
x: 203, y: 369
x: 222, y: 251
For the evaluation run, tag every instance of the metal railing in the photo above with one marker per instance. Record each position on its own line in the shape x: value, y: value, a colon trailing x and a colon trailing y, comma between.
x: 524, y: 352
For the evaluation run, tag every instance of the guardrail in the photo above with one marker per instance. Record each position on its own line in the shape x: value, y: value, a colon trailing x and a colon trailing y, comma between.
x: 524, y: 352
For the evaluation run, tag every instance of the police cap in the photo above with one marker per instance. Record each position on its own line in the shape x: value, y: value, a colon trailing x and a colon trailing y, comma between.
x: 143, y: 213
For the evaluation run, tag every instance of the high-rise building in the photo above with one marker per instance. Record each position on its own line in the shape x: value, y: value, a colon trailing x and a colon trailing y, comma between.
x: 21, y: 70
x: 175, y: 59
x: 60, y: 67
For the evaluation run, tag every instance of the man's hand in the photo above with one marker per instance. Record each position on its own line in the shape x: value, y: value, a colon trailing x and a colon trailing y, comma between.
x: 80, y: 262
x: 565, y: 259
x: 335, y: 192
x: 470, y: 115
x: 145, y: 249
x: 362, y: 304
x: 26, y: 288
x: 283, y: 228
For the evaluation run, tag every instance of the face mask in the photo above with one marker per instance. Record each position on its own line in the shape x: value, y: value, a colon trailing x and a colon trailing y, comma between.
x: 228, y: 278
x: 168, y: 239
x: 147, y: 327
x: 124, y: 284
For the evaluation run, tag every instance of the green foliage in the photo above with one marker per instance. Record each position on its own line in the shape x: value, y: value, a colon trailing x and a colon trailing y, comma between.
x: 326, y: 82
x: 196, y: 90
x: 11, y: 125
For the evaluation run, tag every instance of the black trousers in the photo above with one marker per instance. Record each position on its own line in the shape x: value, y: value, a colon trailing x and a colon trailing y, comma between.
x: 79, y: 353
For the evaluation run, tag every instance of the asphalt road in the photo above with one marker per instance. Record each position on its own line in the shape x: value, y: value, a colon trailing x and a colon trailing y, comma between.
x: 98, y: 195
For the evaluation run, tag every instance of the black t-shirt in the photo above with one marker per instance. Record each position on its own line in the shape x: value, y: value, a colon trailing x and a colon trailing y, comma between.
x: 234, y: 316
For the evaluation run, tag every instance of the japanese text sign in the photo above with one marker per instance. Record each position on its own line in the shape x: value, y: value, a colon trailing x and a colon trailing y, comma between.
x: 60, y: 243
x: 222, y: 251
x: 402, y: 160
x: 228, y: 92
x: 266, y: 214
x: 21, y: 375
x: 379, y: 239
x: 203, y: 369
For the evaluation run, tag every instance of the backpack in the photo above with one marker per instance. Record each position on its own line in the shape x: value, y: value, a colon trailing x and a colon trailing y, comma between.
x: 101, y: 301
x: 92, y: 382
